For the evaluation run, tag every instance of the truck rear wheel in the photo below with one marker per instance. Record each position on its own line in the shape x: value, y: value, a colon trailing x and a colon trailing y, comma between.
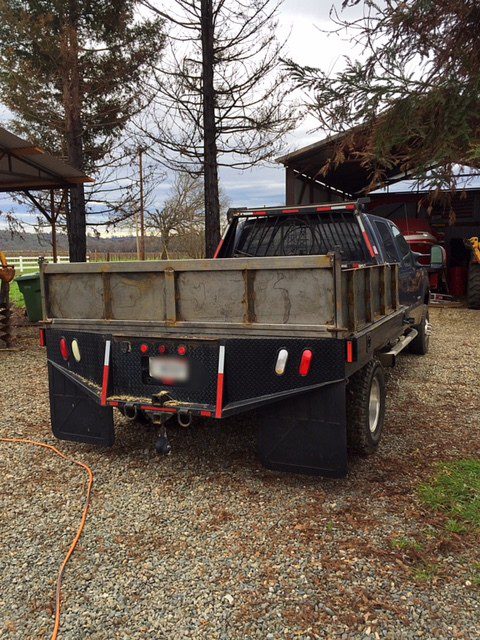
x: 366, y: 408
x: 420, y: 343
x: 473, y: 288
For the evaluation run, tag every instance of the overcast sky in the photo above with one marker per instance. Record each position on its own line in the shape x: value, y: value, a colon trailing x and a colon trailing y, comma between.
x: 300, y: 21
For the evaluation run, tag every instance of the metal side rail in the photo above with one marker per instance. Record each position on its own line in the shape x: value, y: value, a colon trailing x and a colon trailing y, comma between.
x: 388, y: 358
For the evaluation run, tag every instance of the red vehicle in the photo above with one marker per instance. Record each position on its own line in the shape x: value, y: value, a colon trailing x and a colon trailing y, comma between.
x: 421, y: 238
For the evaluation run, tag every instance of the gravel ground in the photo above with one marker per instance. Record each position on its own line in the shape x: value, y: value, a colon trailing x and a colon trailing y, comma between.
x: 208, y: 544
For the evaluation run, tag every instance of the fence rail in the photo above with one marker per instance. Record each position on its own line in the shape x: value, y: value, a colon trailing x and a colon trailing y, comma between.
x: 25, y: 264
x: 29, y: 264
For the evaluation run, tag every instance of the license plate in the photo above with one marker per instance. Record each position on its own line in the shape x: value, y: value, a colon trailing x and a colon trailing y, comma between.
x: 169, y: 369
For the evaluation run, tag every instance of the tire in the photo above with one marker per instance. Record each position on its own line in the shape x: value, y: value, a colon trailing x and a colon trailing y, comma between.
x: 364, y: 428
x: 473, y: 287
x: 419, y: 345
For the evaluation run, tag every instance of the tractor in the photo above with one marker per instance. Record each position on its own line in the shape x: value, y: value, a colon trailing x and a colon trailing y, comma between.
x: 7, y: 274
x: 473, y: 286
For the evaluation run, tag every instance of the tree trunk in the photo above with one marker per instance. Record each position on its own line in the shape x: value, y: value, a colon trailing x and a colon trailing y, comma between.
x: 72, y: 102
x: 212, y: 203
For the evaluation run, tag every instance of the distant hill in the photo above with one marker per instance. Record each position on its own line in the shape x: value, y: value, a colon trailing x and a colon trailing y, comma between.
x: 40, y: 244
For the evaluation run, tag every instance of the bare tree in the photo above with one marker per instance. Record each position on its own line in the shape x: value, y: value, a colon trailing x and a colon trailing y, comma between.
x: 181, y: 213
x: 181, y: 221
x: 222, y: 99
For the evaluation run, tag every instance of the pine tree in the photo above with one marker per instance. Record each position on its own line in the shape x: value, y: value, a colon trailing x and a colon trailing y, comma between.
x: 73, y: 74
x: 412, y: 96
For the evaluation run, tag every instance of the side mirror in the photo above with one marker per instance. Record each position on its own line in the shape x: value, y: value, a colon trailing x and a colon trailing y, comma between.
x: 438, y: 257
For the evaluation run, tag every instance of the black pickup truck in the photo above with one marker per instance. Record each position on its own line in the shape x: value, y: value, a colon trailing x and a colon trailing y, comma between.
x: 295, y: 317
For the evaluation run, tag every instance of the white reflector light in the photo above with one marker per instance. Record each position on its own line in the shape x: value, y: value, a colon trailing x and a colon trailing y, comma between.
x: 281, y: 362
x: 76, y: 351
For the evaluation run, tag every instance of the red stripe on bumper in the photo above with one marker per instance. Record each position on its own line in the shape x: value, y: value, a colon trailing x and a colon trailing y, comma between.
x: 106, y: 375
x: 219, y: 404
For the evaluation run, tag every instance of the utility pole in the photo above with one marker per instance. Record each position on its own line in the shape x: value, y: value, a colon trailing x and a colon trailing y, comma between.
x: 53, y: 224
x: 137, y: 233
x: 142, y: 211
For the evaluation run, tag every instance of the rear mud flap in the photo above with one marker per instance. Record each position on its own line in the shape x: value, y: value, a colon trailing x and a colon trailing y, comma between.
x: 75, y: 416
x: 306, y: 434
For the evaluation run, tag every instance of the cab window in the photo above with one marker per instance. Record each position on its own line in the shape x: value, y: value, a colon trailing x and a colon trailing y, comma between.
x: 387, y: 240
x: 402, y: 246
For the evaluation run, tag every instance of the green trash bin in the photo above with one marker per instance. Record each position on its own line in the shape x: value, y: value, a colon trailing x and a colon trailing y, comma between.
x: 29, y: 286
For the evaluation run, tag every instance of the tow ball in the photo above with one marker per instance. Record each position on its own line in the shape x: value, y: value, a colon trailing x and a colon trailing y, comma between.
x: 162, y: 444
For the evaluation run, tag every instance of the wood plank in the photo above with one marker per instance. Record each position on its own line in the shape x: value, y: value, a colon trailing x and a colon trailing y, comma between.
x: 249, y: 296
x: 107, y: 297
x: 221, y: 264
x: 352, y: 300
x: 170, y: 296
x: 383, y: 290
x: 369, y: 296
x: 394, y: 283
x: 340, y: 312
x: 194, y: 330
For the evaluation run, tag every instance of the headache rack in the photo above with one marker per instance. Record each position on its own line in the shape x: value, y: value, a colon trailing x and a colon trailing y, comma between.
x: 299, y: 231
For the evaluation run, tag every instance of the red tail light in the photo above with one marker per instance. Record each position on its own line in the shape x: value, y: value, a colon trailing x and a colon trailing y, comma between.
x: 305, y: 362
x: 182, y: 350
x: 64, y: 350
x: 162, y: 348
x: 144, y: 348
x: 41, y: 338
x: 351, y: 355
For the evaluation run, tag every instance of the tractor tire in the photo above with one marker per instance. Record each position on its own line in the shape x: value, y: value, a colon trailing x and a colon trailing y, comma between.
x: 366, y: 408
x: 473, y: 287
x: 419, y: 345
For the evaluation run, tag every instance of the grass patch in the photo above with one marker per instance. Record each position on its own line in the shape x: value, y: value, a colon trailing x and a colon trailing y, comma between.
x: 16, y: 297
x: 475, y: 574
x: 455, y: 491
x: 407, y: 544
x: 425, y: 573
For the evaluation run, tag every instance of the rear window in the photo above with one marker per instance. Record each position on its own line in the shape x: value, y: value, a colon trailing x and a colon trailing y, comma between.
x: 297, y: 235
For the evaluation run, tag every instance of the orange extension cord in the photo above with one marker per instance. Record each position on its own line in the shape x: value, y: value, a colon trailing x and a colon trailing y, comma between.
x: 58, y: 597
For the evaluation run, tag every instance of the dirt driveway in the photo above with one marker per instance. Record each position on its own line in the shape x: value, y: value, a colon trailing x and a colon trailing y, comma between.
x: 208, y: 544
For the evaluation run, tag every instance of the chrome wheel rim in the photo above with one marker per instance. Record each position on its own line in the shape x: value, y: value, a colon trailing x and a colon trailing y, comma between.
x: 428, y: 330
x: 374, y: 405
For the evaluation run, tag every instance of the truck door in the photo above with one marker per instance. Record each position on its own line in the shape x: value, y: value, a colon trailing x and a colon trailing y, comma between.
x: 395, y: 251
x: 410, y: 276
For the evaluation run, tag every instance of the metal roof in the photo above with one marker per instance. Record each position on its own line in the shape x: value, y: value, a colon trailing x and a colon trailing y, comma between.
x: 25, y: 166
x: 350, y: 177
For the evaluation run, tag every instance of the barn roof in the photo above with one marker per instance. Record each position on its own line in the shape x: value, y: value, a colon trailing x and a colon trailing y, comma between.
x: 350, y: 177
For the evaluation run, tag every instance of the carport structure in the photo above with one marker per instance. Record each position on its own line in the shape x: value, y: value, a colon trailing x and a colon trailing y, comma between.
x: 25, y: 167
